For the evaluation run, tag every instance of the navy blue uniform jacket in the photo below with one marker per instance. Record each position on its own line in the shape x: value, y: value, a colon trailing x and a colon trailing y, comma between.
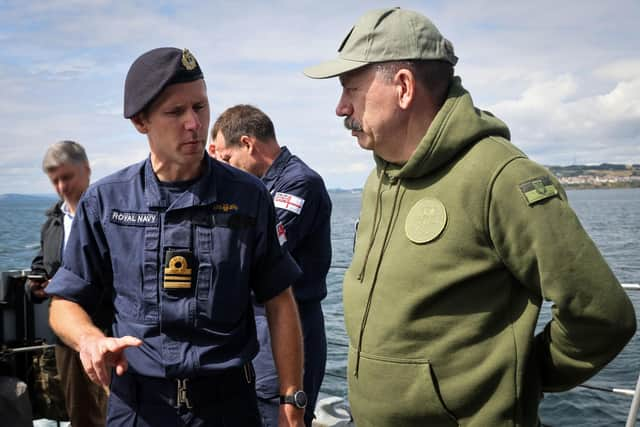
x: 303, y: 208
x: 222, y: 227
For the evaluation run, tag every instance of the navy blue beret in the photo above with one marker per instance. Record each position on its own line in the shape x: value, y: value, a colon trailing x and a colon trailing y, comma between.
x: 152, y: 72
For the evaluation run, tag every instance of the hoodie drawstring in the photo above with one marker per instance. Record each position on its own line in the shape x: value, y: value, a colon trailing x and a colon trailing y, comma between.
x: 376, y: 224
x: 385, y: 244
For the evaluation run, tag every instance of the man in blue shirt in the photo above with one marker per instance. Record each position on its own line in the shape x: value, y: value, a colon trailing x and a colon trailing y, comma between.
x: 183, y: 240
x: 244, y: 137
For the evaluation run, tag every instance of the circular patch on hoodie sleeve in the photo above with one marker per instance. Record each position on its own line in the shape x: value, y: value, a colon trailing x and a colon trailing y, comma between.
x: 425, y: 220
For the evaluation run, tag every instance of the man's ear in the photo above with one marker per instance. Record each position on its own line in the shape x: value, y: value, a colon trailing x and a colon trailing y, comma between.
x: 211, y: 149
x: 140, y: 123
x: 248, y: 143
x: 405, y: 83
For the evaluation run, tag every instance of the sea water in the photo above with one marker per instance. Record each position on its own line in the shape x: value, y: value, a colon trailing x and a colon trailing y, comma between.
x: 611, y: 217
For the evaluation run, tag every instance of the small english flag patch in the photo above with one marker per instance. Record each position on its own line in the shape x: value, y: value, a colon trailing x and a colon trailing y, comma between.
x: 289, y: 202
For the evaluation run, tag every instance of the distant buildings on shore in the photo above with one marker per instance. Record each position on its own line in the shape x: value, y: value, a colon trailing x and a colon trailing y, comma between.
x: 605, y: 175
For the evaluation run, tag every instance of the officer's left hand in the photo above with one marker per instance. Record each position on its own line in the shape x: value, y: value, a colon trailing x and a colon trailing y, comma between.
x: 290, y: 416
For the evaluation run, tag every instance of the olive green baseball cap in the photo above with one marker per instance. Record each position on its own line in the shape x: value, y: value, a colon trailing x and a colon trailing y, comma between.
x: 386, y: 35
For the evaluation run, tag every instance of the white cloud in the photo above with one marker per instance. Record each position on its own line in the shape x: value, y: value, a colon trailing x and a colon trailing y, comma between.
x: 64, y: 70
x: 551, y: 116
x: 564, y: 76
x: 623, y: 102
x: 627, y: 69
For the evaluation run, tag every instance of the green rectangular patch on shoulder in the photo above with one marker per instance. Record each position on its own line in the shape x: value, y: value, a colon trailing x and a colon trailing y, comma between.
x: 538, y: 189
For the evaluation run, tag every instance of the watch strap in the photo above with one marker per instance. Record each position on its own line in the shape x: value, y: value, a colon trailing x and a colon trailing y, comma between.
x: 297, y: 399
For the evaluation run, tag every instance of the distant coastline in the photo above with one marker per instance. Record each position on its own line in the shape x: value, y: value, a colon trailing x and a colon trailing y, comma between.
x: 581, y: 177
x: 602, y: 176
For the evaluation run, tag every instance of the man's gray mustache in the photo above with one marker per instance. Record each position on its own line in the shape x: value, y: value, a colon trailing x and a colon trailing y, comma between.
x: 352, y: 124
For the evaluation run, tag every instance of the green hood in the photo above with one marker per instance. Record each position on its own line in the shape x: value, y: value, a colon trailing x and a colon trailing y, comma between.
x: 457, y: 126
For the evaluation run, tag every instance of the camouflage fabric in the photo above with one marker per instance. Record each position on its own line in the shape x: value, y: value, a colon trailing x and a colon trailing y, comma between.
x: 47, y: 396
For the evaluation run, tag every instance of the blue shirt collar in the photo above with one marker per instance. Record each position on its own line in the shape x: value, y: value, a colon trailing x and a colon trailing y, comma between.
x: 276, y: 168
x: 202, y: 192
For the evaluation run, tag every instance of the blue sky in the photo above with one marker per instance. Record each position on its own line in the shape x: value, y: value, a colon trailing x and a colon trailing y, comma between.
x: 564, y: 75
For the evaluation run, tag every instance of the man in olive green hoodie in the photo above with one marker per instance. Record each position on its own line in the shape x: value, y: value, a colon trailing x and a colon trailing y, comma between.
x: 461, y: 237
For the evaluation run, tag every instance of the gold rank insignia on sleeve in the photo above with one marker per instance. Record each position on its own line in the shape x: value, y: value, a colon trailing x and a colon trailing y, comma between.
x: 177, y: 273
x: 188, y: 60
x: 538, y: 189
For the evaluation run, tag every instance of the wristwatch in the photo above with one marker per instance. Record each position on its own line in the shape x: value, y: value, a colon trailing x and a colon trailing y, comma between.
x: 297, y: 399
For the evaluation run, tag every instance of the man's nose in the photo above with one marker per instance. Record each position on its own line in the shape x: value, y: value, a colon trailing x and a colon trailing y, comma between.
x: 192, y: 121
x: 344, y: 107
x: 61, y: 186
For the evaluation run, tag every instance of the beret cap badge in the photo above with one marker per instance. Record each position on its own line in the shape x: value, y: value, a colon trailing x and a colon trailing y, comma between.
x: 188, y: 60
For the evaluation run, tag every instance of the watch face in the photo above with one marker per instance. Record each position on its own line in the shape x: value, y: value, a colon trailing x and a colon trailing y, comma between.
x: 300, y: 399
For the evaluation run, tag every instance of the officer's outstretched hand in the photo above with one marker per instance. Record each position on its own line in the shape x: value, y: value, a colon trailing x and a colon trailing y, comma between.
x: 99, y: 354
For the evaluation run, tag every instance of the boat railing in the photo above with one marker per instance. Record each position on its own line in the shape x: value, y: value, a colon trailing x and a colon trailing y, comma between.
x: 635, y: 402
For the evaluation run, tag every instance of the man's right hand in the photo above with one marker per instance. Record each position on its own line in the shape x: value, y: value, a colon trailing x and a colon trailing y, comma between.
x: 99, y: 354
x: 37, y: 288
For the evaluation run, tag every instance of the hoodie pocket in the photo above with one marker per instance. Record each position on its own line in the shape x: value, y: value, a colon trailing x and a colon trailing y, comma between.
x: 396, y: 392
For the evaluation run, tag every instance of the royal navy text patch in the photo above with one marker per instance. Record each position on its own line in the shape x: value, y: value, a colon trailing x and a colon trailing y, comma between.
x: 140, y: 219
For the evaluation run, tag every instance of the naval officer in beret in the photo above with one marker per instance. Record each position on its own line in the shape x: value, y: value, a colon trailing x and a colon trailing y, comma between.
x: 183, y: 240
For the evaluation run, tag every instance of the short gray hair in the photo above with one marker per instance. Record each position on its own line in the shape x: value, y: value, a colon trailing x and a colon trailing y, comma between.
x: 433, y: 75
x: 62, y: 153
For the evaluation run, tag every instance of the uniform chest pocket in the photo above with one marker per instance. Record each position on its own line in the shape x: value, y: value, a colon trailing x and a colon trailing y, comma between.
x: 231, y: 238
x: 232, y: 242
x: 235, y: 221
